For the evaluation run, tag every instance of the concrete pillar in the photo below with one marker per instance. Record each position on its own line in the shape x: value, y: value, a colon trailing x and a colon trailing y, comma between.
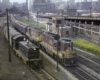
x: 79, y: 27
x: 92, y: 23
x: 99, y: 35
x: 85, y: 28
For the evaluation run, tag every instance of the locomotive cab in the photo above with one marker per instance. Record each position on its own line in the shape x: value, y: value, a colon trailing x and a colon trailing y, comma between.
x: 69, y: 56
x: 16, y: 40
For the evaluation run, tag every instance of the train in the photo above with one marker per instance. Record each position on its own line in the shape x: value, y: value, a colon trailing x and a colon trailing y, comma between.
x: 46, y: 41
x: 26, y: 50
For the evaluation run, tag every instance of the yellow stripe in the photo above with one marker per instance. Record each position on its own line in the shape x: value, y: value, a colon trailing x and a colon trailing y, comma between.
x: 38, y: 38
x: 67, y: 53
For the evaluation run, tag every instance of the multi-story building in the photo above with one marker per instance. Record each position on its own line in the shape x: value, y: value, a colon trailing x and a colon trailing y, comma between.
x: 43, y: 6
x: 31, y: 4
x: 5, y: 1
x: 71, y: 2
x: 59, y: 27
x: 5, y: 4
x: 96, y: 6
x: 16, y: 4
x: 85, y: 5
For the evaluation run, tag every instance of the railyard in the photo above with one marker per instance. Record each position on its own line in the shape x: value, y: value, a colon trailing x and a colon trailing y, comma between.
x: 85, y: 76
x: 50, y: 67
x: 15, y: 69
x: 50, y: 40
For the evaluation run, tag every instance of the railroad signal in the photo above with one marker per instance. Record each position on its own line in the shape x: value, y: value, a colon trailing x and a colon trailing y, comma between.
x: 56, y: 37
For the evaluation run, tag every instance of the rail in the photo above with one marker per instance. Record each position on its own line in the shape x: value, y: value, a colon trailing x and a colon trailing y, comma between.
x: 42, y: 74
x: 81, y: 74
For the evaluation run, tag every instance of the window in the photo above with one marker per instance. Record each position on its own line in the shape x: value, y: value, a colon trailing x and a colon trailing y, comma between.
x: 58, y: 21
x: 53, y: 21
x: 67, y: 33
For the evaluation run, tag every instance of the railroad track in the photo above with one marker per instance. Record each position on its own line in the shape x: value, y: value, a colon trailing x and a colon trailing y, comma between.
x: 81, y: 74
x: 89, y: 63
x: 90, y: 66
x: 42, y: 74
x: 92, y: 59
x: 88, y: 56
x: 39, y: 73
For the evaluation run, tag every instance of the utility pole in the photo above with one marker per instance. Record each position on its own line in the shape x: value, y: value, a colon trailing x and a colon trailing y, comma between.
x: 37, y: 18
x: 57, y: 37
x: 57, y: 54
x: 91, y: 8
x: 62, y: 23
x: 8, y: 37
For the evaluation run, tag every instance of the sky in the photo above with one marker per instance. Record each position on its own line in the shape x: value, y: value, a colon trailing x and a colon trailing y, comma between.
x: 20, y: 1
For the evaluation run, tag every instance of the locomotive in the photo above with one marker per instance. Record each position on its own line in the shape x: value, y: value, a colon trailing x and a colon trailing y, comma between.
x: 27, y: 51
x: 46, y: 41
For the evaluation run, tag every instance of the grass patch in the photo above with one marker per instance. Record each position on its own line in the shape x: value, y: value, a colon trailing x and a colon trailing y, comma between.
x: 87, y: 45
x: 31, y: 22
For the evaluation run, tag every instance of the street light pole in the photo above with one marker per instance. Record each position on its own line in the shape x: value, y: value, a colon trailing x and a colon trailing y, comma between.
x: 8, y: 37
x: 62, y: 24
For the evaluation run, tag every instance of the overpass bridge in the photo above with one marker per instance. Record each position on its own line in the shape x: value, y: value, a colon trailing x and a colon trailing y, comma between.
x: 82, y: 19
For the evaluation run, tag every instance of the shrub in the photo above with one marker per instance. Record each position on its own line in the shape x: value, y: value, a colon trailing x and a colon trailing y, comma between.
x: 87, y: 45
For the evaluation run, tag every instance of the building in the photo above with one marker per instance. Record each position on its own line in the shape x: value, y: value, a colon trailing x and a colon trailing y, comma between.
x: 43, y: 6
x: 96, y: 5
x: 84, y: 5
x: 27, y: 5
x: 5, y: 4
x: 71, y: 2
x: 5, y: 1
x: 31, y: 4
x: 59, y: 27
x: 16, y: 4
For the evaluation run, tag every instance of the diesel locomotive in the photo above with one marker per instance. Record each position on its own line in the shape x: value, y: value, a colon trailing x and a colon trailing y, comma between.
x: 47, y: 42
x: 26, y: 50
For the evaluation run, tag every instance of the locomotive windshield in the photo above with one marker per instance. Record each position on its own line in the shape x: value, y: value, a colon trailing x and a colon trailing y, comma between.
x: 70, y: 44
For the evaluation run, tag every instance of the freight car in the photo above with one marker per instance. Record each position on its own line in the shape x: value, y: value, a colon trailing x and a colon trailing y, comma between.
x: 22, y: 27
x: 27, y: 51
x: 47, y: 42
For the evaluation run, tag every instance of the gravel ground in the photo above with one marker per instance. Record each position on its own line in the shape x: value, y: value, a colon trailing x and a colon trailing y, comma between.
x: 12, y: 70
x: 52, y: 69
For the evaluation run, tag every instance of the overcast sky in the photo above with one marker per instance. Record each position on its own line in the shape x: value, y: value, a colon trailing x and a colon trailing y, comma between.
x: 20, y: 1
